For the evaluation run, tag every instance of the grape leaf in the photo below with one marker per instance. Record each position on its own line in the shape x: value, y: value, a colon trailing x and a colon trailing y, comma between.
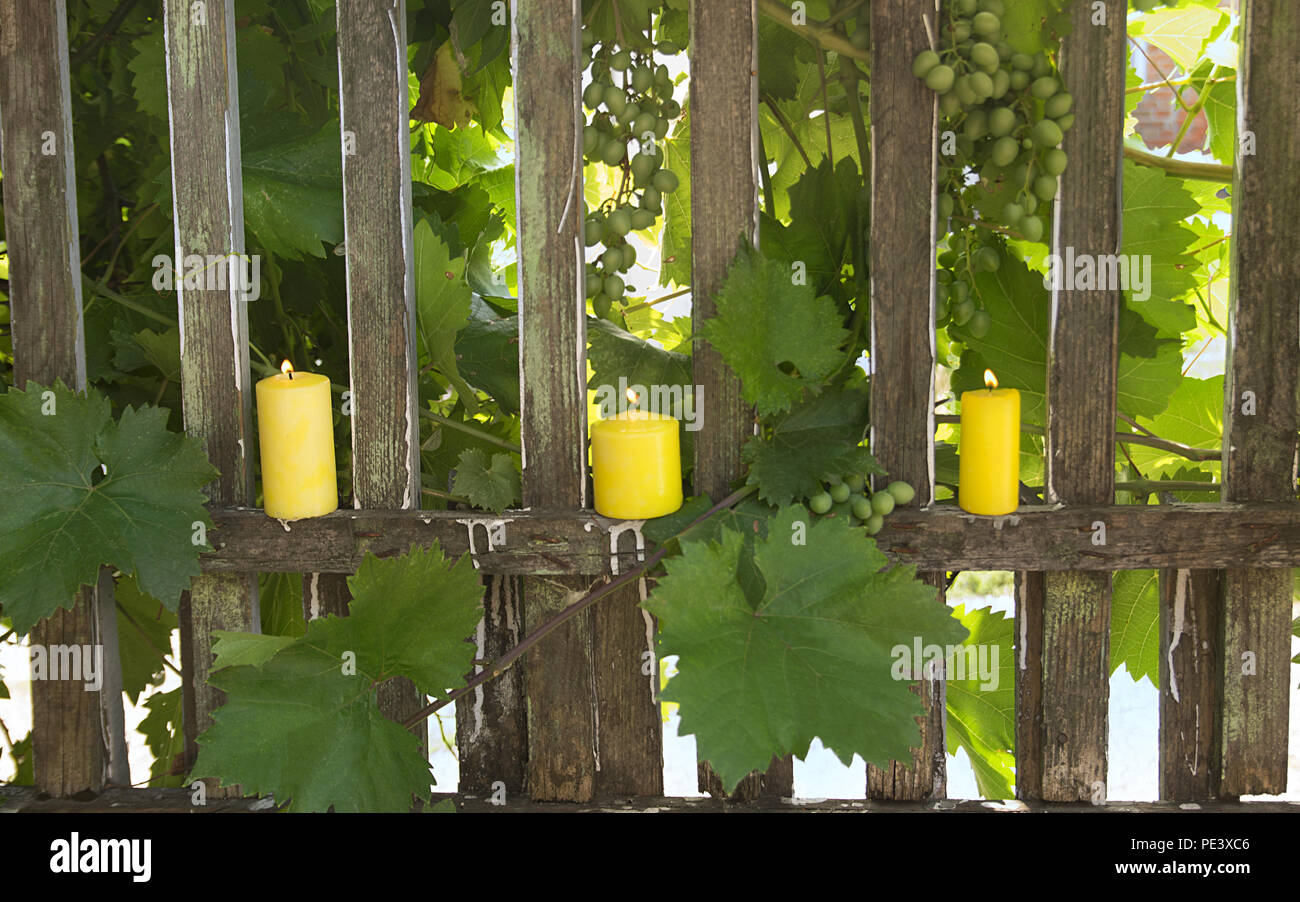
x: 280, y: 598
x: 982, y: 714
x: 1135, y: 624
x: 442, y: 302
x: 1181, y: 33
x: 487, y: 352
x: 163, y: 733
x: 779, y: 338
x: 675, y: 242
x: 763, y: 674
x: 138, y: 517
x: 494, y: 487
x: 144, y: 636
x: 1221, y: 117
x: 819, y: 436
x: 304, y: 724
x: 293, y: 198
x: 1155, y: 206
x: 615, y: 352
x: 1194, y: 417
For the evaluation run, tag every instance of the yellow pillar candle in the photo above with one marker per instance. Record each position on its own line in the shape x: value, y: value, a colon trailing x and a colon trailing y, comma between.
x: 989, y: 471
x: 295, y: 425
x: 636, y: 465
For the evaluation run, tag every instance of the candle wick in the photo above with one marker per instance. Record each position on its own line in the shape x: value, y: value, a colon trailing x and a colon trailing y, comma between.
x: 290, y: 374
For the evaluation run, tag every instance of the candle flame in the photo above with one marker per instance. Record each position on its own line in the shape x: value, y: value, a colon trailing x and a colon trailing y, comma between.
x: 287, y: 369
x: 632, y: 397
x: 990, y: 380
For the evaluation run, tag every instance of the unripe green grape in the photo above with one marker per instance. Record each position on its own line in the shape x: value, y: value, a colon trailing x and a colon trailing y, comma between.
x: 1054, y: 161
x: 949, y: 105
x: 642, y: 219
x: 988, y: 259
x: 962, y: 313
x: 671, y: 109
x: 1045, y: 187
x: 964, y: 7
x: 1004, y: 151
x: 925, y: 61
x: 1001, y: 121
x: 662, y: 77
x: 619, y: 222
x: 902, y: 491
x: 651, y: 200
x: 661, y: 128
x: 593, y: 94
x: 1011, y: 213
x: 862, y: 508
x: 943, y: 277
x: 615, y: 100
x: 983, y: 55
x: 959, y: 291
x: 855, y: 481
x: 1005, y: 50
x: 611, y: 259
x: 960, y: 31
x: 1001, y: 84
x: 945, y: 207
x: 668, y: 48
x: 874, y: 524
x: 1027, y: 143
x: 1032, y: 228
x: 979, y: 324
x: 612, y: 151
x: 1022, y: 61
x: 977, y: 125
x: 981, y: 84
x: 840, y: 493
x: 1042, y: 66
x: 986, y: 24
x: 882, y: 503
x: 613, y: 286
x: 1019, y: 80
x: 1058, y: 105
x: 592, y: 232
x: 1065, y: 122
x: 620, y: 61
x: 593, y: 281
x: 940, y: 79
x: 629, y: 258
x: 941, y: 309
x: 1029, y: 202
x: 948, y: 259
x: 590, y: 139
x: 665, y: 180
x: 642, y: 167
x: 643, y: 78
x: 1044, y: 87
x: 644, y: 122
x: 1047, y: 133
x: 820, y: 503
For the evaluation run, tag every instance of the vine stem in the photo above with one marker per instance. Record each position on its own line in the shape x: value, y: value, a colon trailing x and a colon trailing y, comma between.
x: 658, y: 300
x: 1135, y: 438
x: 813, y: 31
x: 469, y: 430
x: 502, y: 664
x: 1202, y: 172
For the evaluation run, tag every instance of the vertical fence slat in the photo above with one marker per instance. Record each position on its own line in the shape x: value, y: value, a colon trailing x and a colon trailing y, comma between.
x: 1189, y: 640
x: 208, y: 214
x: 629, y: 726
x: 902, y: 324
x: 45, y: 302
x: 553, y: 383
x: 492, y: 721
x: 374, y: 121
x: 1260, y: 428
x: 724, y: 206
x: 1081, y: 384
x: 1030, y: 588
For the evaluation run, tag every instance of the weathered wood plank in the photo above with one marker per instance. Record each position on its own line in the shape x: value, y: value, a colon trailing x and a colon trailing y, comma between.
x: 1083, y: 352
x: 1030, y: 587
x: 629, y: 729
x: 552, y: 542
x: 492, y: 723
x: 902, y: 324
x: 203, y: 103
x: 374, y: 122
x: 40, y: 203
x: 553, y: 382
x: 1263, y: 379
x: 1189, y: 655
x: 724, y: 207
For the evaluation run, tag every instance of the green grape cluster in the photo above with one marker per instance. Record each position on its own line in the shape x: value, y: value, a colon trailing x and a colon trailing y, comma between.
x: 631, y: 100
x: 1003, y: 116
x: 849, y: 496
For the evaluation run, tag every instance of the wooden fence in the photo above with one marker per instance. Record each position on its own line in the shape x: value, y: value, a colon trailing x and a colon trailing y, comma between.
x: 579, y: 721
